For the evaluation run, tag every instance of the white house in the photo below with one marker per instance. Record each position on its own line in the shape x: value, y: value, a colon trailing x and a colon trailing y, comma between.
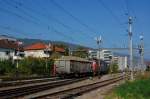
x: 37, y: 50
x: 41, y: 50
x: 9, y: 49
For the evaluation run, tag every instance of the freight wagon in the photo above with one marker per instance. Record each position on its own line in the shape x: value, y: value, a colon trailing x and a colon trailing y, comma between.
x: 72, y: 66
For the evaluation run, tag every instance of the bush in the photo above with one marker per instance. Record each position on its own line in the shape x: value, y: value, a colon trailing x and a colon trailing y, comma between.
x: 6, y: 67
x: 26, y: 66
x: 37, y: 66
x: 139, y: 89
x: 113, y: 68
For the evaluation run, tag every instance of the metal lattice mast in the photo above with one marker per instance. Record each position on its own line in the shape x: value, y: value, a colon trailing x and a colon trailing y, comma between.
x: 130, y: 46
x: 99, y: 41
x: 142, y: 51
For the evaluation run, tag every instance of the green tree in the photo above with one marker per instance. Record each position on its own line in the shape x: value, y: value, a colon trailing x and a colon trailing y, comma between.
x: 113, y: 68
x: 80, y: 52
x: 64, y: 47
x: 6, y: 67
x: 39, y: 66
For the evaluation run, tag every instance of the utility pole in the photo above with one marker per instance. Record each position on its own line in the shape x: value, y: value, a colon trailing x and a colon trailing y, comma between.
x: 99, y: 41
x: 141, y: 51
x: 130, y: 46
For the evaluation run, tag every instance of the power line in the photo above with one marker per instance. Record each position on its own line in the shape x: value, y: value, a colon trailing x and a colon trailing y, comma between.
x: 74, y: 17
x: 63, y: 24
x: 127, y: 7
x: 29, y: 21
x: 44, y: 15
x: 13, y: 30
x: 110, y: 11
x: 23, y: 11
x: 17, y: 15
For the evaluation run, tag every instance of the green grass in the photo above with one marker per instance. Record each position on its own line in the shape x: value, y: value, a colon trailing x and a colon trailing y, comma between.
x: 137, y: 89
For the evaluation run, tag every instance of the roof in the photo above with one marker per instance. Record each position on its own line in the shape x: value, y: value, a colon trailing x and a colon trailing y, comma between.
x: 59, y: 49
x: 8, y: 44
x: 36, y: 46
x: 5, y: 37
x: 72, y: 58
x: 42, y: 46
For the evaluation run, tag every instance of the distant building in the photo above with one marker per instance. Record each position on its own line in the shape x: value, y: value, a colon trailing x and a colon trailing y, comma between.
x: 104, y: 55
x: 122, y: 62
x: 92, y: 54
x: 41, y: 50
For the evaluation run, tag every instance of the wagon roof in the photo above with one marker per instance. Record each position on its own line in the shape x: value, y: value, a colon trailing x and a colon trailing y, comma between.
x: 72, y: 58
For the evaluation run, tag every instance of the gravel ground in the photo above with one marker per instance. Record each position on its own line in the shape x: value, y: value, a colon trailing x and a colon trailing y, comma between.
x: 99, y: 93
x: 88, y: 81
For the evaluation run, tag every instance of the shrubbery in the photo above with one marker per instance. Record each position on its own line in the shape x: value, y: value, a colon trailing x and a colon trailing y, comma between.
x: 113, y: 68
x: 27, y: 66
x: 6, y: 67
x: 35, y: 66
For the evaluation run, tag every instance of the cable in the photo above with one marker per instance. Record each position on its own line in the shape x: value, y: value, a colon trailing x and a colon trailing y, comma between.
x: 13, y: 30
x: 26, y: 20
x: 44, y: 15
x: 74, y: 17
x: 127, y: 7
x: 110, y: 11
x: 23, y: 11
x: 17, y: 15
x: 65, y: 25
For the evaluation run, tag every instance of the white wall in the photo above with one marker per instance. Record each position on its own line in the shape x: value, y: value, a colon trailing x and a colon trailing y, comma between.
x: 35, y: 53
x: 122, y: 63
x: 4, y: 56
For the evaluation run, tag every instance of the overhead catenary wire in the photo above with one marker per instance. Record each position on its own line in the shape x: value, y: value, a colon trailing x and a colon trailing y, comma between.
x: 26, y: 19
x: 48, y: 16
x: 17, y: 15
x: 21, y: 10
x: 13, y: 30
x: 74, y: 17
x: 111, y: 12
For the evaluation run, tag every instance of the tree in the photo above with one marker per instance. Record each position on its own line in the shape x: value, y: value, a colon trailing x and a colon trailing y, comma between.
x: 80, y: 52
x: 113, y: 68
x: 64, y: 47
x: 6, y: 67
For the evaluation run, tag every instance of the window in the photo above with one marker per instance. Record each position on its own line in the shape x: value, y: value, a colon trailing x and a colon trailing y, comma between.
x: 7, y: 52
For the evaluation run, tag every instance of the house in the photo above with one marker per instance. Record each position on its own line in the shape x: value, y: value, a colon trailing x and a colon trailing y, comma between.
x: 37, y: 50
x: 41, y: 50
x: 9, y: 49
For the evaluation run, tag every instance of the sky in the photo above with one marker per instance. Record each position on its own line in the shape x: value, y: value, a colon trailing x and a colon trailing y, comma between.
x: 77, y: 21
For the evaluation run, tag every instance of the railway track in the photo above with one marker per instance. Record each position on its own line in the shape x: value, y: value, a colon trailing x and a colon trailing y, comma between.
x: 21, y: 91
x: 23, y: 82
x: 73, y: 92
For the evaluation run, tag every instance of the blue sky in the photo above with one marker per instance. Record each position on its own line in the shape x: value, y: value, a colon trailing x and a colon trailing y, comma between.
x: 76, y: 21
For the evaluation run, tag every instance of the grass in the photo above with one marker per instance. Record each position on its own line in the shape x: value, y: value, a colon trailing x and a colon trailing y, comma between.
x: 137, y: 89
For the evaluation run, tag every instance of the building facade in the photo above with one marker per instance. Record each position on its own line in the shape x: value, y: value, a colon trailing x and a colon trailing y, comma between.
x: 9, y: 48
x: 41, y: 50
x: 104, y: 55
x: 122, y: 63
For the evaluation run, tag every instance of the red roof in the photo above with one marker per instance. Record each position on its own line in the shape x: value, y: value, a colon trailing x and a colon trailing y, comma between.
x: 8, y: 44
x: 42, y: 46
x: 36, y: 46
x: 58, y: 49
